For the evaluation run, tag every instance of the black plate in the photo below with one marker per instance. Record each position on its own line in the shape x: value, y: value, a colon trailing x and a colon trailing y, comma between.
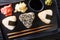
x: 36, y: 23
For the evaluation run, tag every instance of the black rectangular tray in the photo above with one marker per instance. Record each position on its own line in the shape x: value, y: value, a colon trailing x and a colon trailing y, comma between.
x: 36, y: 23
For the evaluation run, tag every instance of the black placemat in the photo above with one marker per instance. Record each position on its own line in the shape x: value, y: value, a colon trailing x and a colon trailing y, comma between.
x: 19, y: 25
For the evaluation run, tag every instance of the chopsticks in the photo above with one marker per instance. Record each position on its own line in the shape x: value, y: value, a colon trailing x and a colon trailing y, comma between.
x: 28, y: 31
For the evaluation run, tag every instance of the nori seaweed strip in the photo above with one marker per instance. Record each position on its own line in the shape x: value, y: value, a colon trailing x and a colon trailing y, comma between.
x: 11, y: 23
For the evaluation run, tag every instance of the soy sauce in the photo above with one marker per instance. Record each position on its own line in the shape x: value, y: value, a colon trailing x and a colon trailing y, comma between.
x: 36, y: 4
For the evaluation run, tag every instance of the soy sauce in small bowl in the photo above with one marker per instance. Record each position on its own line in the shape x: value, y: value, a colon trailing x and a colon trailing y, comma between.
x: 36, y: 5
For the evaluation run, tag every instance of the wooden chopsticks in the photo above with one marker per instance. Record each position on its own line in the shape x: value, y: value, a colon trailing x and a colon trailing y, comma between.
x: 28, y: 31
